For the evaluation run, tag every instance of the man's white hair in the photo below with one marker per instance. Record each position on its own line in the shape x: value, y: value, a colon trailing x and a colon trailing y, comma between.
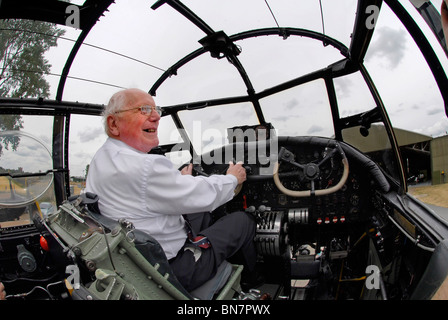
x: 117, y: 102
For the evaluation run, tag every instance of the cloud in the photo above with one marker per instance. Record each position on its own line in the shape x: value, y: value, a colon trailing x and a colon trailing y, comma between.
x: 390, y: 45
x: 343, y: 87
x: 244, y: 113
x: 439, y: 128
x: 90, y: 134
x: 215, y: 119
x: 291, y: 104
x: 314, y: 129
x: 281, y: 118
x: 433, y: 111
x: 285, y: 118
x: 31, y: 156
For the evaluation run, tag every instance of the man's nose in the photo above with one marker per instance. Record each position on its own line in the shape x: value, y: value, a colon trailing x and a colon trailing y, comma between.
x: 154, y: 116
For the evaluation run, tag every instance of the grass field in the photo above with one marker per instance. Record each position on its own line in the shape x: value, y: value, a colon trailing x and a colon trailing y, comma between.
x: 434, y: 194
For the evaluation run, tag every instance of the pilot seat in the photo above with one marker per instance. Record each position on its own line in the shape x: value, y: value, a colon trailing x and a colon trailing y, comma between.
x: 136, y: 256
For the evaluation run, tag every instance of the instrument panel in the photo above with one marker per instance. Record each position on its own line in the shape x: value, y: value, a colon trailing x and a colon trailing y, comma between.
x: 260, y: 189
x: 341, y: 206
x: 282, y: 218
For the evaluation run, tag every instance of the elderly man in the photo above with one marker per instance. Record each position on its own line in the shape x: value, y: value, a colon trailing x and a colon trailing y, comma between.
x: 148, y: 191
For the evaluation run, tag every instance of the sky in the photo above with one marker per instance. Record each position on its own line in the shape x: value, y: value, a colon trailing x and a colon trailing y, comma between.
x: 393, y: 61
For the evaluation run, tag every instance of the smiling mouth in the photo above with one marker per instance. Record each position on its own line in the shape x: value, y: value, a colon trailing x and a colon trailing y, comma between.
x: 150, y: 130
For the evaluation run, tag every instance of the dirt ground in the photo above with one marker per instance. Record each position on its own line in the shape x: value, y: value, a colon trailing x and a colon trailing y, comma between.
x: 434, y: 194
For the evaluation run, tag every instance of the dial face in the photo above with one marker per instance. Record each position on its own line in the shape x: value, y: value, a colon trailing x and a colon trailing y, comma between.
x: 294, y: 185
x: 354, y: 200
x: 268, y: 186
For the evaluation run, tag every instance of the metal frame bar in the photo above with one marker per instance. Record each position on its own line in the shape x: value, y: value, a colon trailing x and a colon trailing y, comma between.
x: 54, y: 11
x: 424, y: 46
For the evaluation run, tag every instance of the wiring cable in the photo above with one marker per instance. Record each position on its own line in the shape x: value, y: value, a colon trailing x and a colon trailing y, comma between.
x: 322, y: 17
x: 84, y: 44
x: 272, y: 13
x: 87, y: 45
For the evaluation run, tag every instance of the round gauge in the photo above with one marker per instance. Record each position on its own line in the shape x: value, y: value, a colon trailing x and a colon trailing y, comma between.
x: 355, y: 184
x: 294, y: 185
x: 268, y: 186
x: 354, y: 200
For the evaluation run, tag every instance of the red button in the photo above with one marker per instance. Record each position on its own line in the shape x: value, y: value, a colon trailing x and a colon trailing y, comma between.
x: 44, y: 244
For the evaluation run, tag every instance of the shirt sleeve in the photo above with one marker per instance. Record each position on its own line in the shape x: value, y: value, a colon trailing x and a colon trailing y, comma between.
x: 170, y: 192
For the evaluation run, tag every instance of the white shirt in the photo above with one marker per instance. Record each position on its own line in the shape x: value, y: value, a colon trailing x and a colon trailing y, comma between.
x: 148, y: 191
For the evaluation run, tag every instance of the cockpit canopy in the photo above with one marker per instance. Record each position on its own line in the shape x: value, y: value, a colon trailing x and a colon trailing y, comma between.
x: 319, y: 68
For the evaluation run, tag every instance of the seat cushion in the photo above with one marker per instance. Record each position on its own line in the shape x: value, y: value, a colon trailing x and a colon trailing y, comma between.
x: 212, y: 286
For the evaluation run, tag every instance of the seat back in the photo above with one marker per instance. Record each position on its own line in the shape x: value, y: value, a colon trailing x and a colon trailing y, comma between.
x: 152, y: 251
x: 149, y: 247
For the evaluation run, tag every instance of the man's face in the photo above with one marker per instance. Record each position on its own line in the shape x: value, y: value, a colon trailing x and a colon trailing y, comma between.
x: 135, y: 129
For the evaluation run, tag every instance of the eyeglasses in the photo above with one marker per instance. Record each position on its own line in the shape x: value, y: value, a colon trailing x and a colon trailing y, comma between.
x: 145, y: 110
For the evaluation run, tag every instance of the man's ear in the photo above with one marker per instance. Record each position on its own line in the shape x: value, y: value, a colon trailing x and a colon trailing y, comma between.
x: 113, y: 126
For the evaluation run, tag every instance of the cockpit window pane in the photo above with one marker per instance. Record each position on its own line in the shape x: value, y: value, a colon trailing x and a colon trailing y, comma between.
x: 26, y: 176
x: 300, y: 111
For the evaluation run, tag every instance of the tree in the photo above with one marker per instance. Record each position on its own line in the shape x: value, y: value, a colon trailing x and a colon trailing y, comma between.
x: 23, y: 44
x: 10, y: 122
x: 87, y: 171
x: 23, y: 66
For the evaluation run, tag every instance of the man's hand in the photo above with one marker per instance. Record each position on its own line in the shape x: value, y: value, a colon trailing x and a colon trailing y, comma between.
x: 238, y: 171
x: 187, y: 169
x: 2, y: 292
x: 444, y: 18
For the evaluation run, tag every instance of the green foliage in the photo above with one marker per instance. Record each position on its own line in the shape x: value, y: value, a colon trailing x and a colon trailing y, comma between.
x: 23, y: 66
x: 23, y: 44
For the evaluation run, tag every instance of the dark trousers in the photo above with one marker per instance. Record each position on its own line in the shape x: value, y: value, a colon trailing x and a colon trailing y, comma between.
x: 232, y: 236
